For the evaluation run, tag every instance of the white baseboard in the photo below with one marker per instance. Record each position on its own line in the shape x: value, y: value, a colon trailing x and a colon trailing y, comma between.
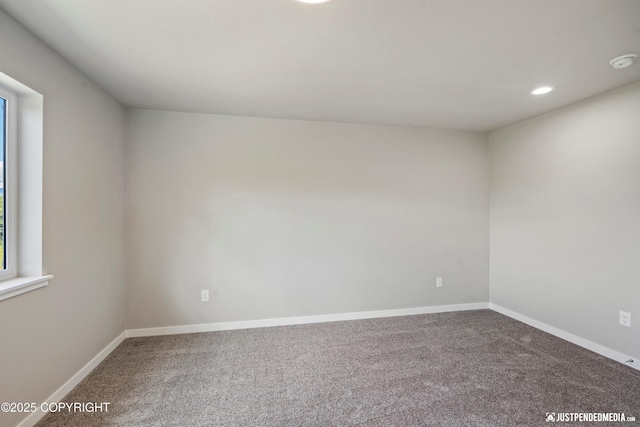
x: 264, y: 323
x: 582, y: 342
x: 59, y: 394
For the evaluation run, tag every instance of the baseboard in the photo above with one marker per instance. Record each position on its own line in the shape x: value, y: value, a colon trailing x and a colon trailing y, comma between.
x: 265, y: 323
x: 59, y: 394
x: 582, y: 342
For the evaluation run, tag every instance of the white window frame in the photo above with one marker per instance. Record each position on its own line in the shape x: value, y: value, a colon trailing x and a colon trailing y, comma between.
x: 10, y: 185
x: 24, y: 159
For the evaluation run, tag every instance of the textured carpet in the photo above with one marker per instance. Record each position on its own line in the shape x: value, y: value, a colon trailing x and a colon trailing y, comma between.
x: 476, y: 368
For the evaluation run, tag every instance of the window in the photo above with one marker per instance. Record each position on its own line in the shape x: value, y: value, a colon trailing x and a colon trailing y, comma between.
x: 3, y: 144
x: 8, y: 125
x: 21, y: 132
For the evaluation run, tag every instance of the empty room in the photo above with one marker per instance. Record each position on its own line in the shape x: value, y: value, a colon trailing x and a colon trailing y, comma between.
x: 319, y: 213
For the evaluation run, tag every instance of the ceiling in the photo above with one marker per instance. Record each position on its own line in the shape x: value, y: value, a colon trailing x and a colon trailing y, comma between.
x: 453, y: 64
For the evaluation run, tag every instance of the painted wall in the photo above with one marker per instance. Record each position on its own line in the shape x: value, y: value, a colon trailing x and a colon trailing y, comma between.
x: 565, y: 218
x: 49, y: 334
x: 281, y: 218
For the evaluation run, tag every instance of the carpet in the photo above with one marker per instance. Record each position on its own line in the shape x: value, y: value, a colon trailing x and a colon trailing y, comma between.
x: 473, y: 368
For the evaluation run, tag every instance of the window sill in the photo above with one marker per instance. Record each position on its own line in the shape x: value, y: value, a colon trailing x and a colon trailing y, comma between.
x: 20, y: 285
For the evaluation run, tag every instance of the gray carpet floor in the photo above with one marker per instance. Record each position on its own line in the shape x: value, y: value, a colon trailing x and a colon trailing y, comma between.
x: 475, y: 368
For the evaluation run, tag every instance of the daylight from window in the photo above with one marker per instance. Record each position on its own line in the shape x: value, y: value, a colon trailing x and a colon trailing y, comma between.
x: 3, y: 140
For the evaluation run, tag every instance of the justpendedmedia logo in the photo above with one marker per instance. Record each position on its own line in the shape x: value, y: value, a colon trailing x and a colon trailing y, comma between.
x: 601, y: 417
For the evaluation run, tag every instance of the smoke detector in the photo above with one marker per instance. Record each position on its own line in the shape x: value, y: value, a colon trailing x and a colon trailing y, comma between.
x: 623, y: 61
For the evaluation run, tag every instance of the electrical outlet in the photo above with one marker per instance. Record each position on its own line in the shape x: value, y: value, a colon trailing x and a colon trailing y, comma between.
x: 204, y: 295
x: 625, y: 319
x: 439, y: 282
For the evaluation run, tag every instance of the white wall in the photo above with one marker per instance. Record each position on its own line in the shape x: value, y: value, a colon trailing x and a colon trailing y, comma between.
x: 282, y: 218
x: 565, y: 218
x: 47, y: 335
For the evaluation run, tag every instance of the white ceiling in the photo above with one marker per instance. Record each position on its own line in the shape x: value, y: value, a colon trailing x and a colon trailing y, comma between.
x: 458, y: 64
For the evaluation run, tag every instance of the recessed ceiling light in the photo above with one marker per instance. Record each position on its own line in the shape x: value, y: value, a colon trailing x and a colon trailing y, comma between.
x: 541, y: 90
x: 314, y: 1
